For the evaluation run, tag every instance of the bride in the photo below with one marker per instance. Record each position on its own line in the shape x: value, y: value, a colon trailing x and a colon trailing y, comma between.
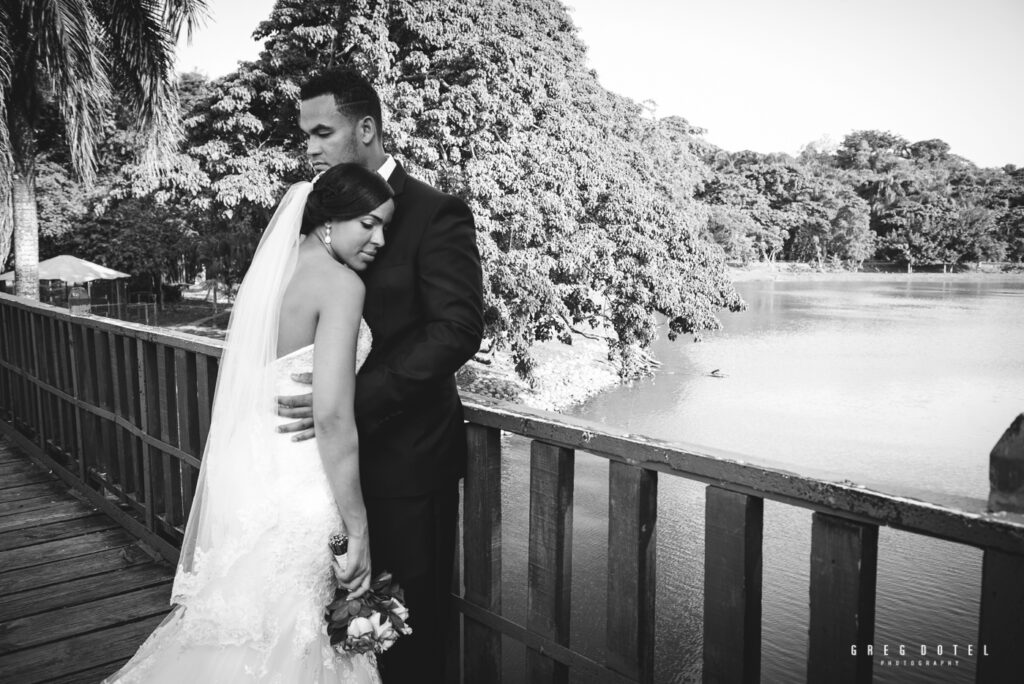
x: 256, y: 572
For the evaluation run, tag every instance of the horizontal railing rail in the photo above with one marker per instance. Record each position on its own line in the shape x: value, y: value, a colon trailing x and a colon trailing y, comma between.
x: 122, y: 411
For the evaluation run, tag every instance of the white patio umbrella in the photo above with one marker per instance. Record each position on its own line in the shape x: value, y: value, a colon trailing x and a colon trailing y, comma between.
x: 71, y: 269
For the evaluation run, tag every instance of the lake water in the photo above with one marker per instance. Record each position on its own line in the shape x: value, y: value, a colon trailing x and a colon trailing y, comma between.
x: 901, y: 384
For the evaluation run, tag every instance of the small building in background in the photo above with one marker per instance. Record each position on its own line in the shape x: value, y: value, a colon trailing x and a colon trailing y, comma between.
x: 102, y: 289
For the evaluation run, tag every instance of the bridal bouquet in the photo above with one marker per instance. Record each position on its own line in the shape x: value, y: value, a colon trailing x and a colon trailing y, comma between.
x: 372, y: 622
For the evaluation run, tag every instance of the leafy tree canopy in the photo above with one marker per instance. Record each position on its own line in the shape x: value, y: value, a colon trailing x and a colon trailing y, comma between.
x: 585, y: 209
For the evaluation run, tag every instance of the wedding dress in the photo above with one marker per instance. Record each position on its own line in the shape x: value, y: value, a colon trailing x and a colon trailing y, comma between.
x: 255, y: 575
x: 265, y: 621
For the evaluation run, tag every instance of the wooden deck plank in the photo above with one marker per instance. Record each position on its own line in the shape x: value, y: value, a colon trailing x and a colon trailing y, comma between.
x: 65, y: 623
x: 18, y: 468
x: 68, y: 509
x: 60, y: 530
x: 51, y: 487
x: 34, y: 476
x: 52, y: 552
x: 84, y: 589
x: 11, y: 508
x: 77, y: 654
x: 10, y: 456
x: 90, y: 676
x: 121, y: 556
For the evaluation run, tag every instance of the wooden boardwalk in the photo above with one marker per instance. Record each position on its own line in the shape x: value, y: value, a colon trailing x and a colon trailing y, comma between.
x: 78, y: 594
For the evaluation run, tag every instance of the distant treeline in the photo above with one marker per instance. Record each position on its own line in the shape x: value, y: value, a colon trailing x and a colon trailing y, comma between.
x: 591, y: 214
x: 874, y: 196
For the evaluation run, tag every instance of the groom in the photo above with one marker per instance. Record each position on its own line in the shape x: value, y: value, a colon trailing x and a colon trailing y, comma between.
x: 424, y: 307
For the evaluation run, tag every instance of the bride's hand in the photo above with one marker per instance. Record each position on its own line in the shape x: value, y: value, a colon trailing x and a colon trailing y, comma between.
x: 356, y: 575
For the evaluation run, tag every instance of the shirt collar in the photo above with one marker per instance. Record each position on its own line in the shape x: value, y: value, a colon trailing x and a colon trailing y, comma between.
x: 387, y: 168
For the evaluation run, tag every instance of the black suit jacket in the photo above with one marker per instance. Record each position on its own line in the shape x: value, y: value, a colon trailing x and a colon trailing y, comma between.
x: 424, y: 305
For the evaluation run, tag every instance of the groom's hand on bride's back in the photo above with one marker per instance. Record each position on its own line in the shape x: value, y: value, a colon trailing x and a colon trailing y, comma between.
x: 300, y: 407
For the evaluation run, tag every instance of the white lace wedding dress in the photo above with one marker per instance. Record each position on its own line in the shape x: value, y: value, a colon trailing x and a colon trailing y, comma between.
x: 257, y: 612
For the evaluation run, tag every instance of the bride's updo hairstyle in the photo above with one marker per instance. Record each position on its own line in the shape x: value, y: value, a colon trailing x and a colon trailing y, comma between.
x: 344, y: 192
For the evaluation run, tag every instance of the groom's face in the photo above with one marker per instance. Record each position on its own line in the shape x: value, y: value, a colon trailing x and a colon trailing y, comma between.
x: 330, y: 135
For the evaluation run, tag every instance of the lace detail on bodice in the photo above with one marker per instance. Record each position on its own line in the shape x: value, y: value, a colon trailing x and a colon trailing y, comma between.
x: 301, y: 360
x: 261, y: 589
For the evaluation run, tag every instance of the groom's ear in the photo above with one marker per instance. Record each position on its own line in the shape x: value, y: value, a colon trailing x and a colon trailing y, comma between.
x: 366, y: 130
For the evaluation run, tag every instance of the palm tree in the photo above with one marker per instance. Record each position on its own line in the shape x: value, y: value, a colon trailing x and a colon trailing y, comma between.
x: 74, y: 55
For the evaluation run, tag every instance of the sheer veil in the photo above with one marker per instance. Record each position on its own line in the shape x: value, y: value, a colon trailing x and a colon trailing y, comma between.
x: 229, y: 511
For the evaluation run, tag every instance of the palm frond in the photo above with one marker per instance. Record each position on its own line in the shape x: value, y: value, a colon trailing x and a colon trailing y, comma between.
x: 140, y: 50
x: 189, y: 14
x: 68, y: 48
x: 6, y: 68
x: 6, y: 54
x: 140, y: 37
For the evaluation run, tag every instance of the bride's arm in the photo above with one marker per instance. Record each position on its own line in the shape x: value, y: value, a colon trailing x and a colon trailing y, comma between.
x: 340, y: 309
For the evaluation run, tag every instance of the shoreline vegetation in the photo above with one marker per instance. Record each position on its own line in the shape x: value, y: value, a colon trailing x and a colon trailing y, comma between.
x: 796, y: 271
x: 568, y: 375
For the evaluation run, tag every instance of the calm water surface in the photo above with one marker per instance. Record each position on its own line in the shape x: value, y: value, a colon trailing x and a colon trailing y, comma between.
x: 902, y: 384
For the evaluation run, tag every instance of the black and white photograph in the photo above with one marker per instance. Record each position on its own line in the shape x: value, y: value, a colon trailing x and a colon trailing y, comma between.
x: 511, y: 342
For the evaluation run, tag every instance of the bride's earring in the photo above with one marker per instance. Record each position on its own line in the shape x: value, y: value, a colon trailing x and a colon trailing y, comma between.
x: 327, y: 235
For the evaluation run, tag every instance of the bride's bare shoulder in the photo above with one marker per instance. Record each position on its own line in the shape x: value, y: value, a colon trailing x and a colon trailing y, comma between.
x: 330, y: 284
x: 325, y: 276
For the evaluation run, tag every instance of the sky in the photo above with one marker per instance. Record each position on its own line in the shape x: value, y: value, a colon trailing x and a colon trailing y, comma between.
x: 774, y: 75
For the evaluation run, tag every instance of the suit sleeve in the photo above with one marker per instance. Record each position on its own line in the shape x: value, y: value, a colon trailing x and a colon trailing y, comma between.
x: 451, y: 293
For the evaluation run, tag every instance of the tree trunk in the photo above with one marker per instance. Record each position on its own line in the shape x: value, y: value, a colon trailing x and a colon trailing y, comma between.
x: 26, y: 233
x: 6, y: 228
x: 23, y: 203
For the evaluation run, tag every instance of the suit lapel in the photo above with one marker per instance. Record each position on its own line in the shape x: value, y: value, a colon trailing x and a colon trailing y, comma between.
x: 373, y: 308
x: 398, y: 178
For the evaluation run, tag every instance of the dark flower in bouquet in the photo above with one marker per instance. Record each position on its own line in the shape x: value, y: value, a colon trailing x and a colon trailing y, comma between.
x: 372, y: 622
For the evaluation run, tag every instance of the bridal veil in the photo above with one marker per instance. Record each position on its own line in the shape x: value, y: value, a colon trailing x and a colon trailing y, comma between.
x: 229, y: 508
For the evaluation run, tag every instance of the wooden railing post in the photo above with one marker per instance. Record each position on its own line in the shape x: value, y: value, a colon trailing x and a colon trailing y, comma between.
x: 482, y: 544
x: 170, y: 473
x: 76, y: 355
x: 733, y: 527
x: 632, y: 518
x: 105, y: 430
x: 149, y: 417
x: 6, y: 376
x: 550, y: 561
x: 844, y: 570
x: 120, y: 437
x: 1001, y: 620
x: 1000, y: 648
x: 188, y: 429
x: 38, y: 359
x: 1006, y: 470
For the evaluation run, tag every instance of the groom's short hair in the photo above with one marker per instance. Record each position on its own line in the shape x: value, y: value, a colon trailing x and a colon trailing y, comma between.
x: 353, y: 94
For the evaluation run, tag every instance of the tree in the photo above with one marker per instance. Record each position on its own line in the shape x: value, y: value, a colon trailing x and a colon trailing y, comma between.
x: 72, y: 56
x: 579, y: 226
x: 141, y: 237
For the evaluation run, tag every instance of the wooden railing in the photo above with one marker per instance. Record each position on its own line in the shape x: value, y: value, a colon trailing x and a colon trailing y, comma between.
x: 122, y: 412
